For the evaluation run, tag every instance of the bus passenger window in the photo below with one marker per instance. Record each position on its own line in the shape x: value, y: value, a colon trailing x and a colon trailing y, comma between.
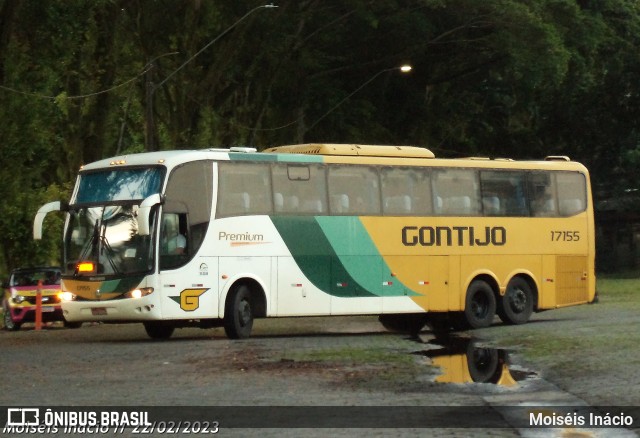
x: 405, y: 191
x: 503, y: 193
x: 356, y: 188
x: 572, y: 192
x: 542, y: 194
x: 456, y: 192
x: 299, y: 189
x: 243, y: 189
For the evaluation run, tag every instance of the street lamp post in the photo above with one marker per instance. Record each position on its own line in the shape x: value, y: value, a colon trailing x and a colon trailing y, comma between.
x: 403, y: 68
x: 150, y: 138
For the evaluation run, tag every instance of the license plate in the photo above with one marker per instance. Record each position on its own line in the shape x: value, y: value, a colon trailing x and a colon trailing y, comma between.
x: 98, y: 311
x: 47, y: 309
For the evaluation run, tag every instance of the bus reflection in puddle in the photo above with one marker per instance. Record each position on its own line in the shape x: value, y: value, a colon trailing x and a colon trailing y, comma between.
x: 461, y: 360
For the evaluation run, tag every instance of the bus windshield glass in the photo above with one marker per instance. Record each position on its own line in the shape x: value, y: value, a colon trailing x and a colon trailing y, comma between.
x: 104, y: 240
x: 112, y: 185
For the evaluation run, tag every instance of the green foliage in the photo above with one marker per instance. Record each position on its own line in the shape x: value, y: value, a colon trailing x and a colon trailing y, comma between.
x: 16, y: 219
x: 519, y: 78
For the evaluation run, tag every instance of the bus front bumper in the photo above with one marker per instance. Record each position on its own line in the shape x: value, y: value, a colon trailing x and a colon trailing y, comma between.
x: 122, y: 310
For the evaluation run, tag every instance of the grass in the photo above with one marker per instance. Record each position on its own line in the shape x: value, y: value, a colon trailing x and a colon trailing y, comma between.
x: 620, y: 290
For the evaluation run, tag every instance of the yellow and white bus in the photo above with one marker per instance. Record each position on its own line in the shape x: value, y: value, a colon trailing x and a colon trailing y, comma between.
x: 220, y: 237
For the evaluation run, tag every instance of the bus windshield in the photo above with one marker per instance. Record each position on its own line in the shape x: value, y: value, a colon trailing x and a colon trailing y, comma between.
x: 122, y: 184
x: 104, y: 240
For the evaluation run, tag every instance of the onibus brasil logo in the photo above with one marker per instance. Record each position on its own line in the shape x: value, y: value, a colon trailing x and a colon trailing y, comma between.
x: 34, y: 420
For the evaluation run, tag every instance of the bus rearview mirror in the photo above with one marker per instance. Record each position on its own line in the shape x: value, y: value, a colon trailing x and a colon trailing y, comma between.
x: 145, y: 211
x: 39, y: 219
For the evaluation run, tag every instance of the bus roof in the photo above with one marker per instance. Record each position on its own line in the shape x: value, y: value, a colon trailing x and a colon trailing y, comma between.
x: 329, y: 153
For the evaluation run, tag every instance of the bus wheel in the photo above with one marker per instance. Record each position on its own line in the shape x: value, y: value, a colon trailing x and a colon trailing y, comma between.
x: 516, y: 305
x: 158, y: 329
x: 480, y: 305
x: 238, y: 316
x: 8, y: 321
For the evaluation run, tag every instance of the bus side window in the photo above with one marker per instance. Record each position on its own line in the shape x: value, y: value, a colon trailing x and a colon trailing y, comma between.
x: 243, y: 189
x: 542, y: 194
x: 355, y: 187
x: 299, y: 188
x: 503, y: 193
x: 459, y: 191
x: 405, y: 191
x: 571, y: 193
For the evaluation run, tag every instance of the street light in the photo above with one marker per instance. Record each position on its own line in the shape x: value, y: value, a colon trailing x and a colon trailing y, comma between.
x: 150, y: 143
x: 406, y: 68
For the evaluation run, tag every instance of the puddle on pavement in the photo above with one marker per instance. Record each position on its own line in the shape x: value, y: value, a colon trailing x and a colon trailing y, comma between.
x: 465, y: 360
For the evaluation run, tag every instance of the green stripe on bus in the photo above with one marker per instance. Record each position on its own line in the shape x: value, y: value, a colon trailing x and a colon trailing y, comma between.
x: 337, y: 255
x: 283, y: 158
x: 359, y: 255
x: 315, y: 256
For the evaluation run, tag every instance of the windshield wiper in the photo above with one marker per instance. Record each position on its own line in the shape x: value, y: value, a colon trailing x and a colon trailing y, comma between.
x: 109, y: 250
x: 98, y: 246
x: 90, y: 247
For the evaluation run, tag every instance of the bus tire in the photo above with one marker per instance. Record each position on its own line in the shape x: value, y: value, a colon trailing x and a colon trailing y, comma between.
x: 238, y: 315
x: 8, y: 321
x: 158, y: 329
x: 480, y: 305
x: 516, y: 305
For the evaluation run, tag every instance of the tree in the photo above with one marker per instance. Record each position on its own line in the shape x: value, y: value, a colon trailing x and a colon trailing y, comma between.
x: 82, y: 81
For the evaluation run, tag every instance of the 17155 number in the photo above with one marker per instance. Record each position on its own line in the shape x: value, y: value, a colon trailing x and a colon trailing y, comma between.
x: 565, y: 236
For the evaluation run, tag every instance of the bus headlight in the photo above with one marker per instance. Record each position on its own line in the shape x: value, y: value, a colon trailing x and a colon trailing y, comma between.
x: 66, y: 296
x: 18, y: 299
x: 139, y: 292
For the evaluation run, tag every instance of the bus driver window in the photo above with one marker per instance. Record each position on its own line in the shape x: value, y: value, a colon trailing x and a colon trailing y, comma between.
x: 172, y: 241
